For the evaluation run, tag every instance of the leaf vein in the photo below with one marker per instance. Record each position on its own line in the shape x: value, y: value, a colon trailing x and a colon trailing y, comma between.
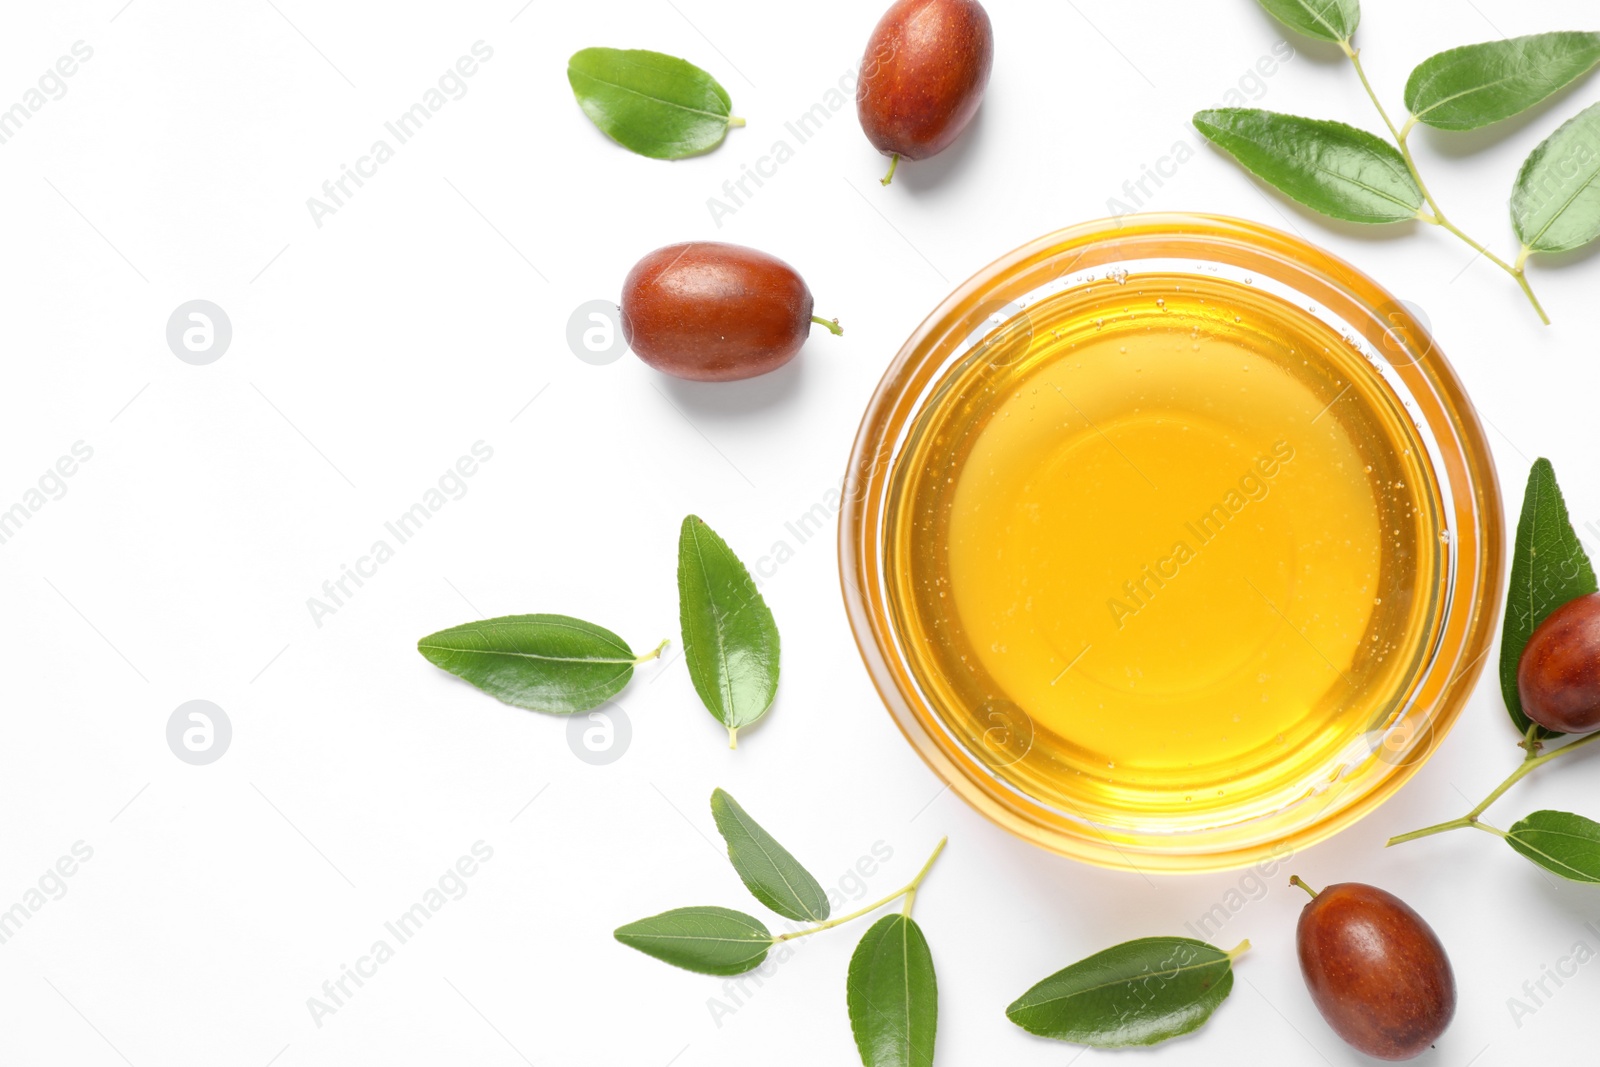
x: 523, y: 655
x: 725, y: 676
x: 1485, y: 87
x: 656, y: 99
x: 1576, y: 192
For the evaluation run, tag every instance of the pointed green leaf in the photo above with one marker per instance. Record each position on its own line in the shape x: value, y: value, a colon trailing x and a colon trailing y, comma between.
x: 1326, y: 20
x: 656, y: 105
x: 730, y: 641
x: 1327, y: 166
x: 1548, y: 568
x: 768, y: 870
x: 705, y: 940
x: 549, y: 663
x: 1555, y: 205
x: 893, y: 995
x: 1465, y: 88
x: 1565, y: 844
x: 1138, y: 993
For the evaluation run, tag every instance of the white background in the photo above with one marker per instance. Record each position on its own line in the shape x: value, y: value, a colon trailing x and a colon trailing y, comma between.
x: 430, y: 313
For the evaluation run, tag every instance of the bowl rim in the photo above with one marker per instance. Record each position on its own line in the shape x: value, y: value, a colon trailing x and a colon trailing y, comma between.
x: 1472, y: 586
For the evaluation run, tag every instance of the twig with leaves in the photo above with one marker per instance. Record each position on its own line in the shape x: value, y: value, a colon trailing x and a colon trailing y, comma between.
x: 1351, y: 174
x: 1549, y: 569
x: 891, y: 991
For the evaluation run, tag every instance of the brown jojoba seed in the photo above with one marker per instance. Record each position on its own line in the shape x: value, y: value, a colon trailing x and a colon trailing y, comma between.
x: 714, y: 312
x: 923, y: 76
x: 1558, y: 676
x: 1375, y: 969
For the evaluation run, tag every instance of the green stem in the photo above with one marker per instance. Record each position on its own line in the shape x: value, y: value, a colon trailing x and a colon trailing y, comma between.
x: 1486, y: 828
x: 1294, y: 879
x: 1522, y: 280
x: 734, y: 120
x: 733, y: 737
x: 909, y: 891
x: 1355, y: 61
x: 831, y: 923
x: 832, y: 325
x: 1471, y: 818
x: 916, y: 883
x: 1527, y: 766
x: 1531, y: 741
x: 1439, y: 220
x: 894, y: 163
x: 1429, y: 831
x: 653, y: 655
x: 1239, y: 950
x: 1438, y: 217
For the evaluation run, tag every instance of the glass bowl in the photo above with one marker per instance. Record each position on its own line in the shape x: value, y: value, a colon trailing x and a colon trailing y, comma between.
x: 1023, y: 753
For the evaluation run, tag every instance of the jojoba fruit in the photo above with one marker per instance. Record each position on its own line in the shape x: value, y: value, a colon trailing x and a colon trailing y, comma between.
x: 1558, y: 676
x: 714, y: 312
x: 923, y: 75
x: 1375, y: 969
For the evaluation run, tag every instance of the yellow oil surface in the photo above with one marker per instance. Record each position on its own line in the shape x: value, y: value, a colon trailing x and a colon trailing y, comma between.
x: 1166, y: 557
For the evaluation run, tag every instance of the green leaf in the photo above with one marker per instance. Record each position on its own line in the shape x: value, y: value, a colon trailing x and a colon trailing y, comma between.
x: 1138, y: 993
x: 1548, y: 568
x: 1555, y: 205
x: 729, y: 639
x: 893, y: 995
x: 1327, y: 166
x: 768, y: 870
x: 705, y: 940
x: 1326, y: 20
x: 653, y: 104
x: 1568, y: 845
x: 1479, y: 84
x: 549, y: 663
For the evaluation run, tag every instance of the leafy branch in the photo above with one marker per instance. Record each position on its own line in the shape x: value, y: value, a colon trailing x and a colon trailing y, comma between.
x: 891, y: 991
x: 1473, y: 818
x: 1437, y: 218
x: 1350, y: 174
x: 1549, y: 568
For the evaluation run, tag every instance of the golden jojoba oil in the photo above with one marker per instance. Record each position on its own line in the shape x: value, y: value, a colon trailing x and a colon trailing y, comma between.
x: 1167, y: 554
